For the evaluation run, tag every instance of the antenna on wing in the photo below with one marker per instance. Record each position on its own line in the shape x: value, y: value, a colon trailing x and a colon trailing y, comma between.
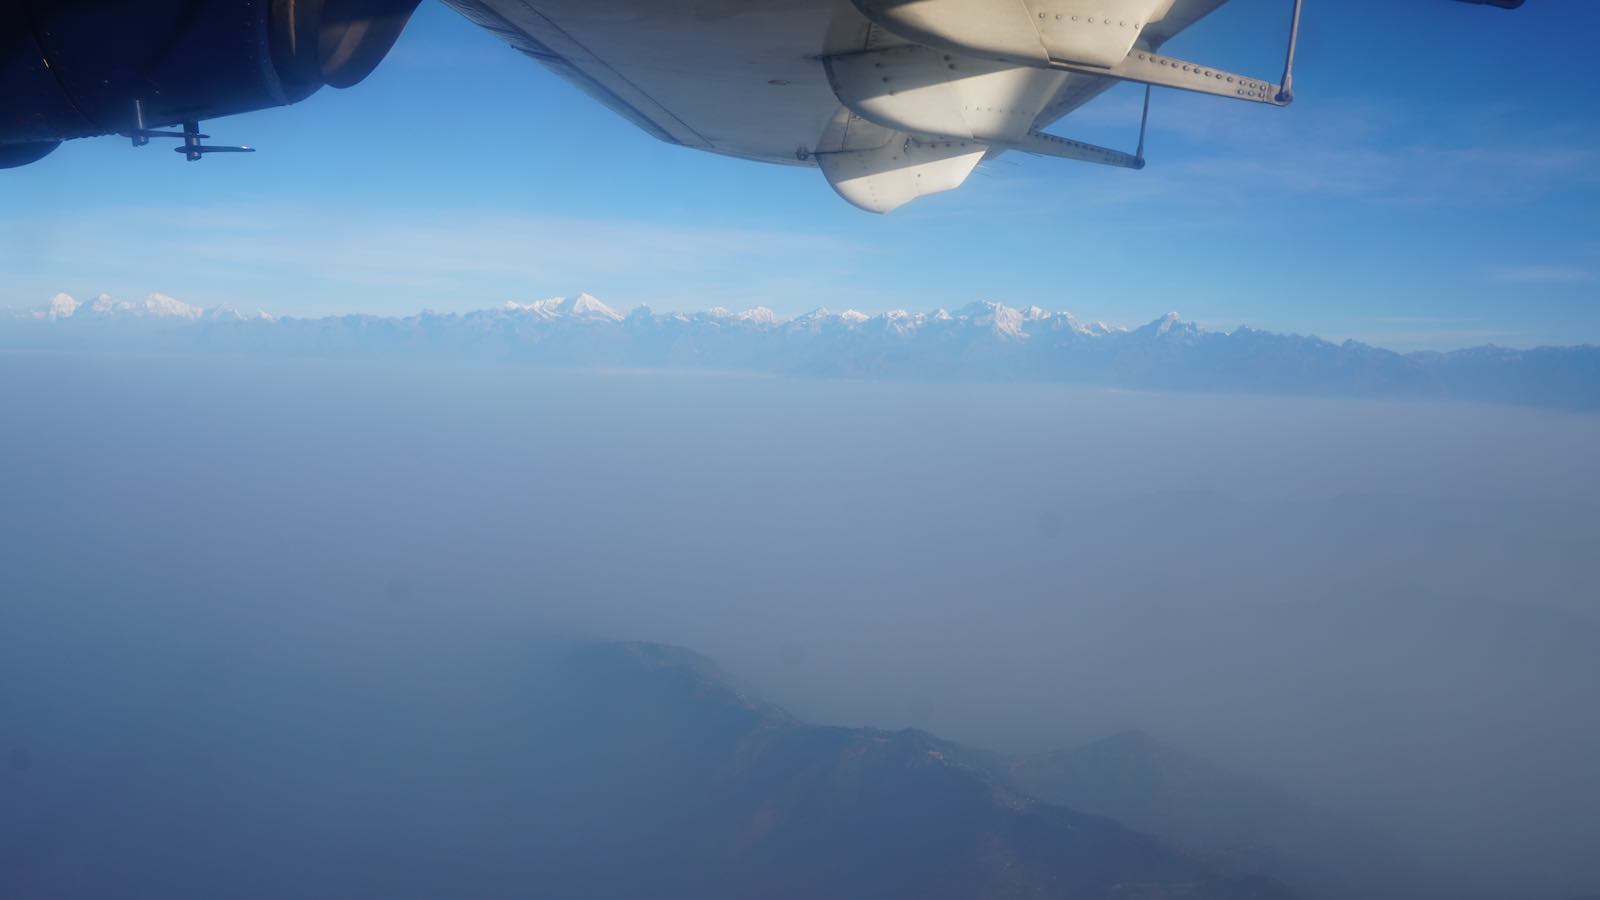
x: 1286, y: 91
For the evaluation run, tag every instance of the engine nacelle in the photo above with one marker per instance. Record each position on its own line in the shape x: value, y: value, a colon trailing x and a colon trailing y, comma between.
x: 13, y: 155
x: 75, y: 68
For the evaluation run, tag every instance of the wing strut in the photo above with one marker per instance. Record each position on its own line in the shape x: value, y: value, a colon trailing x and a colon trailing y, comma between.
x: 1149, y: 68
x: 1286, y: 92
x: 1144, y: 122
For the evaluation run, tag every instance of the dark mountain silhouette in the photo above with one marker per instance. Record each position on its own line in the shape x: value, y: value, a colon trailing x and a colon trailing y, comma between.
x: 684, y: 787
x: 1233, y: 821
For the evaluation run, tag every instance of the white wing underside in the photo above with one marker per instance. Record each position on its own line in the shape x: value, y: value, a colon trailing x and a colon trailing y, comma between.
x: 748, y: 78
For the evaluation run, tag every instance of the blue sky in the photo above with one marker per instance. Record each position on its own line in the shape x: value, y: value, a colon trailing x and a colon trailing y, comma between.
x: 1437, y: 184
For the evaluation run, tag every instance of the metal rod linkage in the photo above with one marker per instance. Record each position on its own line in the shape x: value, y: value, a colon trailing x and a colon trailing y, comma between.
x: 1144, y: 122
x: 1286, y: 92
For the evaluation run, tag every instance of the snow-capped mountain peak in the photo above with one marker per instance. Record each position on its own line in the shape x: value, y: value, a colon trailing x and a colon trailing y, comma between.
x: 154, y: 306
x: 61, y: 306
x: 588, y: 306
x: 163, y: 307
x: 160, y: 306
x: 233, y: 314
x: 1002, y: 318
x: 760, y: 315
x: 105, y: 305
x: 1172, y: 327
x: 542, y: 309
x: 983, y: 339
x: 986, y: 316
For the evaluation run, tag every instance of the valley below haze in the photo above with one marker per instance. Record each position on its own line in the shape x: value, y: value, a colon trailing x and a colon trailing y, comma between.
x: 1337, y: 646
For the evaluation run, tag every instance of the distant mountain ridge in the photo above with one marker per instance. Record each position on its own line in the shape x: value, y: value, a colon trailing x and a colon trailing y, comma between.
x: 153, y: 306
x: 985, y: 340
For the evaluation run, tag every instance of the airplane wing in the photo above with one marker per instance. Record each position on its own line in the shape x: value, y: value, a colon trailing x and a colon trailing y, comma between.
x: 738, y: 77
x: 833, y: 84
x: 890, y: 100
x: 1085, y: 87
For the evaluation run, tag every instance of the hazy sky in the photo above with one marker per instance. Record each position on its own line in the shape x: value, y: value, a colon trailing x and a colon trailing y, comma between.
x: 1435, y: 185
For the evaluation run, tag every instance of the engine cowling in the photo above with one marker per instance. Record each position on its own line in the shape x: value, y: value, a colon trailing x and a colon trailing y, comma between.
x: 334, y: 42
x: 14, y: 155
x: 74, y: 68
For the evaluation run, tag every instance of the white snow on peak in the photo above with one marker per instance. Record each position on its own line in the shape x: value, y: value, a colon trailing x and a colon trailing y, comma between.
x: 61, y: 306
x: 104, y: 305
x: 987, y: 317
x: 1070, y: 322
x: 814, y: 322
x: 543, y: 309
x: 901, y: 322
x: 233, y: 314
x: 1172, y: 322
x: 588, y: 306
x: 1171, y: 327
x: 156, y: 306
x: 163, y: 307
x: 1002, y: 318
